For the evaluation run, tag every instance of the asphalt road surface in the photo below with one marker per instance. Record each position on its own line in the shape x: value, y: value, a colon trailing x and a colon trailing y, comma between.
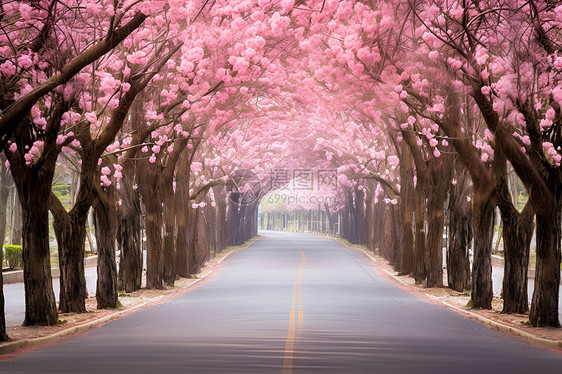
x: 291, y: 303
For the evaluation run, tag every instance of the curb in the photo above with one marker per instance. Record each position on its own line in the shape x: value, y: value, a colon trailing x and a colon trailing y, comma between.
x: 10, y: 347
x: 542, y: 342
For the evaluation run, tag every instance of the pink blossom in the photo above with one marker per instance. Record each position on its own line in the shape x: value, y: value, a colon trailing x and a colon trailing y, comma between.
x: 393, y: 160
x: 91, y: 117
x: 8, y: 68
x: 105, y: 181
x: 105, y: 170
x: 25, y: 62
x: 557, y: 94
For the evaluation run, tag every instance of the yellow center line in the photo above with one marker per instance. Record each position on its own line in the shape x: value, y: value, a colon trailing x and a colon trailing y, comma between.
x: 296, y: 321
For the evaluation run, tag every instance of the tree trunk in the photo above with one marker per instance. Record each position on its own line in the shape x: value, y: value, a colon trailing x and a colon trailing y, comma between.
x: 544, y: 306
x: 359, y: 220
x: 130, y: 244
x: 70, y: 231
x: 483, y: 223
x: 517, y: 235
x: 240, y: 228
x: 221, y: 216
x: 183, y: 221
x: 40, y: 305
x: 387, y: 235
x: 106, y: 290
x: 154, y: 258
x: 169, y: 270
x: 192, y: 255
x: 435, y: 218
x: 420, y: 271
x: 406, y: 210
x: 458, y: 260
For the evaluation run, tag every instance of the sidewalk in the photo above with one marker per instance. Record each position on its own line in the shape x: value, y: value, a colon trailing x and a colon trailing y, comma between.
x: 515, y: 324
x: 26, y: 337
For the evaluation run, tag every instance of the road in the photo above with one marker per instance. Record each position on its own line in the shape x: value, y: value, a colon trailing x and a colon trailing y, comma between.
x: 291, y: 303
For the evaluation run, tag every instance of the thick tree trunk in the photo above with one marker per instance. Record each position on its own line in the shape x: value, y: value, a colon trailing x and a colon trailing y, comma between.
x: 193, y: 254
x: 40, y: 305
x: 183, y: 221
x: 544, y: 305
x: 420, y: 271
x: 483, y: 223
x: 436, y: 220
x: 460, y: 233
x: 517, y: 235
x: 458, y: 261
x: 154, y: 258
x: 221, y: 216
x: 234, y: 218
x: 406, y: 210
x: 388, y: 236
x: 106, y: 290
x: 359, y: 216
x: 240, y: 234
x: 182, y: 243
x: 130, y: 261
x: 70, y: 231
x: 169, y: 247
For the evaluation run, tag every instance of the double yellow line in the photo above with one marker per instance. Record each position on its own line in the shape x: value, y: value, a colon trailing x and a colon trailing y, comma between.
x: 296, y: 321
